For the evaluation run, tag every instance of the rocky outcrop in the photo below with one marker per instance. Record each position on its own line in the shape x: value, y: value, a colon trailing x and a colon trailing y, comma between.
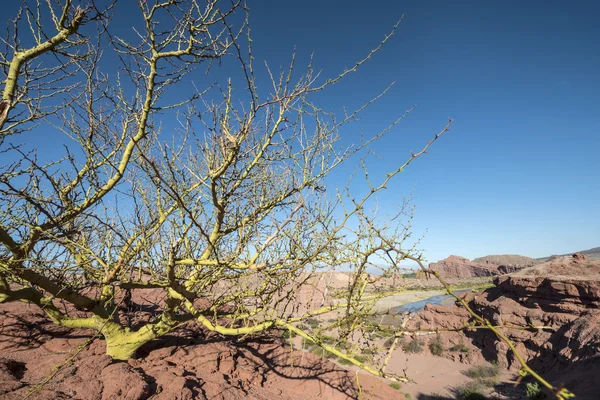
x: 560, y: 297
x: 460, y: 267
x: 508, y: 260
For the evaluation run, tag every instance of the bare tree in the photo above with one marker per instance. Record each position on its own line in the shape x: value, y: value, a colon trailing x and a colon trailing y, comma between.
x: 216, y: 200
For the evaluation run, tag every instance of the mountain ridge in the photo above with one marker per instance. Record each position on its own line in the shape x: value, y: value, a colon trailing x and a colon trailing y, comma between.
x: 592, y: 254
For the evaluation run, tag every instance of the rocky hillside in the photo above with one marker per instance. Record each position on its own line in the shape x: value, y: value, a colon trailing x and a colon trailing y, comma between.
x: 562, y: 295
x: 508, y: 259
x: 460, y: 267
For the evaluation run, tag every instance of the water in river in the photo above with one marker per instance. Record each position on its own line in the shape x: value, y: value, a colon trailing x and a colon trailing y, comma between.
x: 417, y: 306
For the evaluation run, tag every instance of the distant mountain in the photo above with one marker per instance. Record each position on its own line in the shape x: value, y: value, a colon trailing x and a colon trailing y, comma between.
x: 592, y: 254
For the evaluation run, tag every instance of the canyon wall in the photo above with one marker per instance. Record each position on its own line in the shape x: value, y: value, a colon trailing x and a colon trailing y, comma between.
x: 460, y: 267
x: 560, y: 297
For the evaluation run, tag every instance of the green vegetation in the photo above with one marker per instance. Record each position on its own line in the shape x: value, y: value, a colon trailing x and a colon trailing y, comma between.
x: 436, y: 347
x: 313, y: 323
x: 381, y: 330
x: 343, y: 361
x: 484, y: 371
x: 534, y: 392
x: 484, y: 377
x: 475, y: 288
x: 385, y: 333
x: 322, y: 352
x: 288, y: 334
x: 367, y: 351
x: 396, y: 385
x: 481, y: 288
x: 414, y: 346
x: 460, y: 347
x: 358, y: 358
x: 326, y: 339
x: 475, y: 396
x: 389, y: 341
x: 475, y: 284
x: 472, y: 390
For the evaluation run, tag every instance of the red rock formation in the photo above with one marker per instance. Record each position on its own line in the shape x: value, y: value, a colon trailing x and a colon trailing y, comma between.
x: 580, y: 256
x: 562, y: 295
x: 460, y: 267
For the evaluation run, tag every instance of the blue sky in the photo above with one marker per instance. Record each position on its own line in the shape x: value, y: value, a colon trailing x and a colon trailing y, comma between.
x: 518, y: 172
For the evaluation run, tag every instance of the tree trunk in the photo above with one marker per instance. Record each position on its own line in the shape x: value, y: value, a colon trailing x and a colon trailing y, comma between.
x: 123, y: 345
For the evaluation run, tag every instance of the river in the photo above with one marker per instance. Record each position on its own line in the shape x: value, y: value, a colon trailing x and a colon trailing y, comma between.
x: 417, y: 306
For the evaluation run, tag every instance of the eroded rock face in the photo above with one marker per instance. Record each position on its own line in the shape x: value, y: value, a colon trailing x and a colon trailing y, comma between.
x: 580, y: 256
x: 508, y: 259
x: 11, y: 372
x: 121, y: 381
x: 561, y: 297
x: 460, y: 267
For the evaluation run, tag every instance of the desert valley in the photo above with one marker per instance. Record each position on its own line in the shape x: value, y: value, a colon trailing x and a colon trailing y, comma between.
x: 556, y: 301
x: 220, y: 200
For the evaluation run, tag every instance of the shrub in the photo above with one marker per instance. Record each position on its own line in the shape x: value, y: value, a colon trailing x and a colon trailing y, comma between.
x: 380, y: 330
x: 343, y: 361
x: 414, y: 346
x: 347, y: 362
x: 288, y: 334
x: 436, y: 347
x: 472, y: 390
x: 367, y: 351
x: 322, y: 352
x: 388, y: 342
x: 328, y: 339
x: 475, y: 396
x: 396, y: 385
x: 487, y: 382
x: 460, y: 347
x: 303, y: 327
x: 534, y: 392
x: 360, y: 358
x: 312, y: 322
x: 483, y: 371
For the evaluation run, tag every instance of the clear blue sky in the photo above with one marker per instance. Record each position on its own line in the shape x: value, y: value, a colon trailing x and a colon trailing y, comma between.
x: 518, y: 173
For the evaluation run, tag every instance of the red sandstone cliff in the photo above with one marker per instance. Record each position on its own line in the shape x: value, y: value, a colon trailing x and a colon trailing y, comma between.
x: 562, y: 295
x: 460, y: 267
